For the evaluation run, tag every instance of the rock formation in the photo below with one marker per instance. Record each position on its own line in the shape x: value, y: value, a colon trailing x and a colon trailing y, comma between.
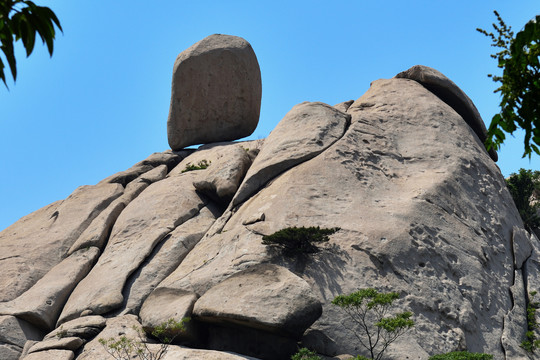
x: 216, y: 92
x: 421, y: 207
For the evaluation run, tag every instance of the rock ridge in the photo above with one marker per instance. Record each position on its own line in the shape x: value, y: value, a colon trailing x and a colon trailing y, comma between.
x: 402, y: 172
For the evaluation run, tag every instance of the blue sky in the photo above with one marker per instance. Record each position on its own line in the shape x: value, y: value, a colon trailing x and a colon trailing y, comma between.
x: 100, y: 104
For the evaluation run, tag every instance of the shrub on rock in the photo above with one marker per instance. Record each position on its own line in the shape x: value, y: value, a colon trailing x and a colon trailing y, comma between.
x: 294, y: 241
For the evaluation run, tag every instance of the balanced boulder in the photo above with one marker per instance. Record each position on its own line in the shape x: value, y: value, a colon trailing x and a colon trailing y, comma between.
x: 216, y: 92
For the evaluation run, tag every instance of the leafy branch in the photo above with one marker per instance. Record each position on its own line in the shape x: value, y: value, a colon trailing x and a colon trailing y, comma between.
x: 23, y: 20
x: 519, y: 57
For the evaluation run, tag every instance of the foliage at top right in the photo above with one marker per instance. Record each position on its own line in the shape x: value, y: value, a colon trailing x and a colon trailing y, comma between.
x: 519, y: 57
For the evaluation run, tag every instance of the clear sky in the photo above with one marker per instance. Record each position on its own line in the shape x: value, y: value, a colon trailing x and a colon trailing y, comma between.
x: 100, y: 104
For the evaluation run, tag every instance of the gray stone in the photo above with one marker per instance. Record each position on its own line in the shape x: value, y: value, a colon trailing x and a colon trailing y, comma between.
x: 125, y: 325
x: 97, y: 233
x: 216, y: 257
x: 531, y: 267
x: 166, y: 257
x: 344, y: 106
x: 41, y: 240
x: 254, y: 219
x: 451, y: 94
x: 140, y: 227
x: 306, y: 131
x: 10, y: 352
x: 85, y: 327
x: 266, y: 297
x: 164, y: 304
x: 64, y: 343
x: 16, y: 332
x: 227, y: 164
x: 51, y: 355
x: 253, y: 147
x: 515, y: 322
x: 182, y: 353
x: 216, y: 92
x: 226, y: 172
x: 168, y: 158
x: 27, y: 347
x: 531, y: 273
x: 42, y: 303
x: 522, y: 246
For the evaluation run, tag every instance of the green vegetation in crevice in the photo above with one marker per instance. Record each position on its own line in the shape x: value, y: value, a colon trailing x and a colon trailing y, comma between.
x: 305, y: 354
x: 203, y: 164
x: 298, y: 241
x: 531, y: 342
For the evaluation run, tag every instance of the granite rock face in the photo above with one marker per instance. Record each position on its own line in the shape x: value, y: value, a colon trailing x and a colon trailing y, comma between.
x: 216, y: 92
x: 421, y: 208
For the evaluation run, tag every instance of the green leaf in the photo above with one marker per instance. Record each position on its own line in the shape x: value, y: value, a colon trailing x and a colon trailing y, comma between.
x: 2, y: 75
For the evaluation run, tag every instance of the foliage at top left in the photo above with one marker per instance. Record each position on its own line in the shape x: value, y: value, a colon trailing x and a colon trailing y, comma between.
x: 23, y: 20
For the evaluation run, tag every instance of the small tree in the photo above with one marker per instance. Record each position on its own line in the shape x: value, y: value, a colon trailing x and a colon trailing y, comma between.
x: 369, y: 309
x: 522, y: 187
x: 298, y: 241
x: 126, y: 348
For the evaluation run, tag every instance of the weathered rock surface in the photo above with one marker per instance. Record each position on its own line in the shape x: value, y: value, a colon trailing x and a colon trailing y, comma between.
x: 344, y: 106
x: 116, y: 327
x: 306, y: 131
x: 181, y: 353
x: 64, y: 343
x: 216, y: 92
x: 14, y: 335
x: 85, y: 328
x: 42, y: 303
x: 164, y: 304
x: 51, y: 355
x: 521, y: 245
x: 267, y: 297
x: 514, y: 331
x: 39, y: 241
x: 168, y: 158
x: 166, y: 258
x: 227, y: 163
x: 14, y: 331
x: 451, y: 94
x: 9, y: 352
x: 140, y: 227
x: 215, y: 258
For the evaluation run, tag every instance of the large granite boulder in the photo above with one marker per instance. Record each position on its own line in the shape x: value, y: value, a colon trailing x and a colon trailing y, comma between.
x: 267, y: 297
x: 216, y: 92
